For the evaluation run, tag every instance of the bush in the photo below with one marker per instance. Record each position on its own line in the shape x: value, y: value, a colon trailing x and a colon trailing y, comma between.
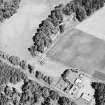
x: 42, y: 38
x: 14, y: 60
x: 31, y: 68
x: 64, y: 101
x: 46, y: 101
x: 61, y: 28
x: 70, y: 7
x: 99, y: 93
x: 33, y: 50
x: 10, y: 74
x: 38, y: 75
x: 23, y: 64
x: 53, y: 95
x: 80, y: 13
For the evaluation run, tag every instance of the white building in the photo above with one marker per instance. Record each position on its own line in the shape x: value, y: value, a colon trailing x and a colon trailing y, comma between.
x: 73, y: 93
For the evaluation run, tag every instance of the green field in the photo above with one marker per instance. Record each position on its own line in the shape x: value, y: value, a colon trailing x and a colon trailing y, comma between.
x: 17, y: 31
x: 81, y: 50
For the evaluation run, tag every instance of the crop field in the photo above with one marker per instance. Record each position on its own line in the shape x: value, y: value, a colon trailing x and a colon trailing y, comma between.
x: 99, y: 75
x: 80, y: 50
x: 95, y: 24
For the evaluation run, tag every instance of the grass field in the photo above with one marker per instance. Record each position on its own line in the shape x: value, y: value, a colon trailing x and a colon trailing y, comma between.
x: 80, y: 50
x: 95, y: 24
x: 16, y: 32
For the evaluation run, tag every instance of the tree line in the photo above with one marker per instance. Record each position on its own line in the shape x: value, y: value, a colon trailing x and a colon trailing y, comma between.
x: 99, y: 93
x: 32, y: 93
x: 53, y: 24
x: 14, y: 60
x: 48, y: 27
x: 8, y: 8
x: 10, y: 74
x: 41, y: 76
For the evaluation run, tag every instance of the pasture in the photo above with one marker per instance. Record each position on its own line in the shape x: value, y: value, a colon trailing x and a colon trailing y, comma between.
x: 17, y: 31
x: 80, y: 50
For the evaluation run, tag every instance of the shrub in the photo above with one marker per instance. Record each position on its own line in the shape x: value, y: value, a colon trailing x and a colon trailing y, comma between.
x: 53, y: 95
x: 14, y: 60
x: 61, y: 28
x: 64, y: 101
x: 80, y: 13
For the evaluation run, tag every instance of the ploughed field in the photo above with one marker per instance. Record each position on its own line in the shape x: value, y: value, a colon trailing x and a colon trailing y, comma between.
x: 80, y: 50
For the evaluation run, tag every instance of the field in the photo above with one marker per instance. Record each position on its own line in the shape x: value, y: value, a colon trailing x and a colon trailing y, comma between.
x: 99, y: 75
x: 16, y: 32
x: 80, y: 50
x: 53, y: 69
x: 95, y: 24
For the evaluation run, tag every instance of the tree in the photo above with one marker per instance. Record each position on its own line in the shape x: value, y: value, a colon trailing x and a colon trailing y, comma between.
x: 38, y: 75
x: 53, y: 95
x: 64, y: 101
x: 15, y: 78
x: 30, y: 68
x: 46, y: 101
x: 49, y: 80
x: 8, y: 8
x: 25, y: 97
x: 88, y: 5
x: 14, y: 60
x: 3, y: 99
x: 23, y: 76
x: 40, y: 46
x: 8, y: 91
x: 23, y: 64
x: 61, y: 28
x: 59, y: 13
x: 80, y: 13
x: 53, y: 19
x: 69, y: 8
x: 33, y: 50
x: 45, y: 92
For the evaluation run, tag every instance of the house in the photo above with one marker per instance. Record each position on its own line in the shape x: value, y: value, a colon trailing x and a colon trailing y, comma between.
x: 70, y: 75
